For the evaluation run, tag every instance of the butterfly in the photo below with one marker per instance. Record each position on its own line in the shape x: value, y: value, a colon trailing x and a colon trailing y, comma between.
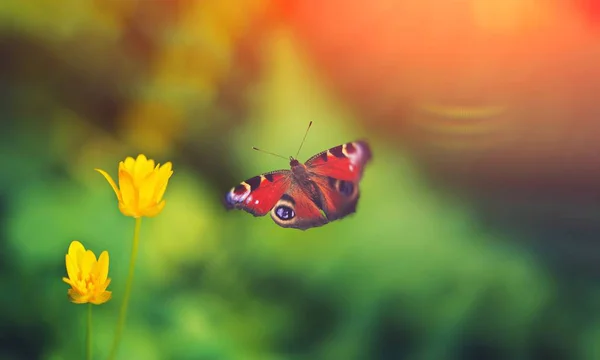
x: 323, y: 189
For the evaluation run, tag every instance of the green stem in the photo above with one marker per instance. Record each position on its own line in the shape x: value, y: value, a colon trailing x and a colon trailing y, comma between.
x: 88, y: 346
x: 123, y: 313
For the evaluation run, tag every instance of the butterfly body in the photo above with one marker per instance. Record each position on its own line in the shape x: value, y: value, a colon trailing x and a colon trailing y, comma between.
x: 323, y: 189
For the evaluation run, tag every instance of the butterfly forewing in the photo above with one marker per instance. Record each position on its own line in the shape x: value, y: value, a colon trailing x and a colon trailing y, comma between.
x: 259, y: 194
x: 342, y: 162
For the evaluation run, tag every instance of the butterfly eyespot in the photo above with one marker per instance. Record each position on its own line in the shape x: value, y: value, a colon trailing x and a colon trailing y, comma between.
x: 346, y: 187
x: 285, y: 212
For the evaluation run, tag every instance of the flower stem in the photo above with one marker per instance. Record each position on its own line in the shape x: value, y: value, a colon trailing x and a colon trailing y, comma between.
x: 123, y: 313
x: 88, y: 345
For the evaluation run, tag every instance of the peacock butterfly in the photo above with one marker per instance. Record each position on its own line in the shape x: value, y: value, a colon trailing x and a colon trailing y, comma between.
x: 323, y: 189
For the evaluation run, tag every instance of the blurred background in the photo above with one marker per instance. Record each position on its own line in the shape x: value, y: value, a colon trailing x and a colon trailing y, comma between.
x: 477, y: 233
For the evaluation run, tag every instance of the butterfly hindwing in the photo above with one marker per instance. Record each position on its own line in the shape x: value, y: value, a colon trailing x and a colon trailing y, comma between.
x: 338, y: 197
x: 297, y: 209
x: 259, y: 194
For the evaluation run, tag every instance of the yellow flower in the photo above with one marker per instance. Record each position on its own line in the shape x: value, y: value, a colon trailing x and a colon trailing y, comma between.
x: 141, y: 186
x: 88, y: 277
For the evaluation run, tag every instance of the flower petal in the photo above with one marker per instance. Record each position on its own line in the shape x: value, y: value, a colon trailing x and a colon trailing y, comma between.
x: 111, y: 182
x: 154, y: 210
x: 147, y: 168
x: 166, y: 171
x: 72, y: 268
x: 87, y: 264
x: 75, y: 257
x: 140, y: 168
x: 102, y: 267
x: 129, y: 196
x: 160, y: 191
x: 128, y: 211
x: 75, y: 247
x: 164, y: 174
x: 147, y: 189
x: 76, y: 297
x: 128, y: 164
x: 103, y: 286
x: 101, y: 298
x: 141, y: 158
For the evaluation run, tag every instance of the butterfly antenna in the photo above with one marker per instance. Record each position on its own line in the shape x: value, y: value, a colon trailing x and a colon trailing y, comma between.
x: 304, y: 138
x: 268, y: 152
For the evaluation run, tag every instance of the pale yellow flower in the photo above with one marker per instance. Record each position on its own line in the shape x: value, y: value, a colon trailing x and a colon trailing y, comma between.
x: 88, y: 277
x: 141, y: 186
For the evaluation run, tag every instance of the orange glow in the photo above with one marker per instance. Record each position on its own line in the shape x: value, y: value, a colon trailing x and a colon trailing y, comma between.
x: 510, y: 16
x: 532, y: 59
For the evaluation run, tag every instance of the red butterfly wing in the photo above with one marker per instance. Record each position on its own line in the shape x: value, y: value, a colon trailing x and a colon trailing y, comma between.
x: 299, y: 208
x: 337, y: 172
x: 259, y: 194
x: 343, y: 162
x: 339, y: 197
